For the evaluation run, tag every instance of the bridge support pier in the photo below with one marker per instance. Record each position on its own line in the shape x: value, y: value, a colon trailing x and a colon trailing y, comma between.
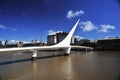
x: 67, y: 51
x: 86, y: 49
x: 34, y: 55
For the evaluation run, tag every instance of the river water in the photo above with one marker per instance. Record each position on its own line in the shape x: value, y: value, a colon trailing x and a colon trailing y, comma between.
x: 53, y: 65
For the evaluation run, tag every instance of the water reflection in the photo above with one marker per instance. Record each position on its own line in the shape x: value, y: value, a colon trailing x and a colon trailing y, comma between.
x: 34, y: 67
x: 66, y: 68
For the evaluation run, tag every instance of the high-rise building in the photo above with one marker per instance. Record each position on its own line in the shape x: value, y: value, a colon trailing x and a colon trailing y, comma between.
x: 6, y: 43
x: 0, y: 43
x: 74, y: 40
x: 51, y: 39
x: 58, y: 37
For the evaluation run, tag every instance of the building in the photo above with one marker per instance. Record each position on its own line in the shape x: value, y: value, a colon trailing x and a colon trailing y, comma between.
x: 84, y: 41
x: 113, y: 43
x: 51, y: 39
x: 6, y: 43
x: 0, y: 43
x: 74, y: 40
x: 58, y: 37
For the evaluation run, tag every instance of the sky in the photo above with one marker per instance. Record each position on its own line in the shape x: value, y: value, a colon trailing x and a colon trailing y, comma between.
x: 34, y: 19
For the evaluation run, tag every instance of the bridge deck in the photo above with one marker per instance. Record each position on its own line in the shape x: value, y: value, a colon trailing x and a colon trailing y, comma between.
x: 41, y: 48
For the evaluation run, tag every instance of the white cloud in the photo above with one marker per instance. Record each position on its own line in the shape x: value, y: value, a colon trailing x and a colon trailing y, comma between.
x: 59, y: 31
x: 10, y: 42
x: 79, y: 37
x: 2, y: 26
x: 3, y: 42
x: 25, y: 42
x: 87, y: 26
x: 51, y: 32
x: 109, y: 37
x: 71, y: 14
x: 106, y: 28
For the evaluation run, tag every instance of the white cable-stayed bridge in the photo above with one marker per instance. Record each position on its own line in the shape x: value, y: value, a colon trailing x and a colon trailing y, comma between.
x: 64, y: 45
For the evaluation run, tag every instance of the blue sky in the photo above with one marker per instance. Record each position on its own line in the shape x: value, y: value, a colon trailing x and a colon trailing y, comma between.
x: 35, y: 19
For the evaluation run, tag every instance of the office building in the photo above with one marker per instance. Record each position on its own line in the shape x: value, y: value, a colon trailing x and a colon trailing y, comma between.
x: 56, y: 38
x: 113, y: 43
x: 60, y: 36
x: 0, y: 43
x: 51, y: 39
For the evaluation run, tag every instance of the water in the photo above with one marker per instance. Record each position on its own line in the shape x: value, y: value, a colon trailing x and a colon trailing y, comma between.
x: 93, y: 65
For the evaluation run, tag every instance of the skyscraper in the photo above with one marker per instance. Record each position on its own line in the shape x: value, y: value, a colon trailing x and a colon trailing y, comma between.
x: 0, y: 43
x: 56, y: 38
